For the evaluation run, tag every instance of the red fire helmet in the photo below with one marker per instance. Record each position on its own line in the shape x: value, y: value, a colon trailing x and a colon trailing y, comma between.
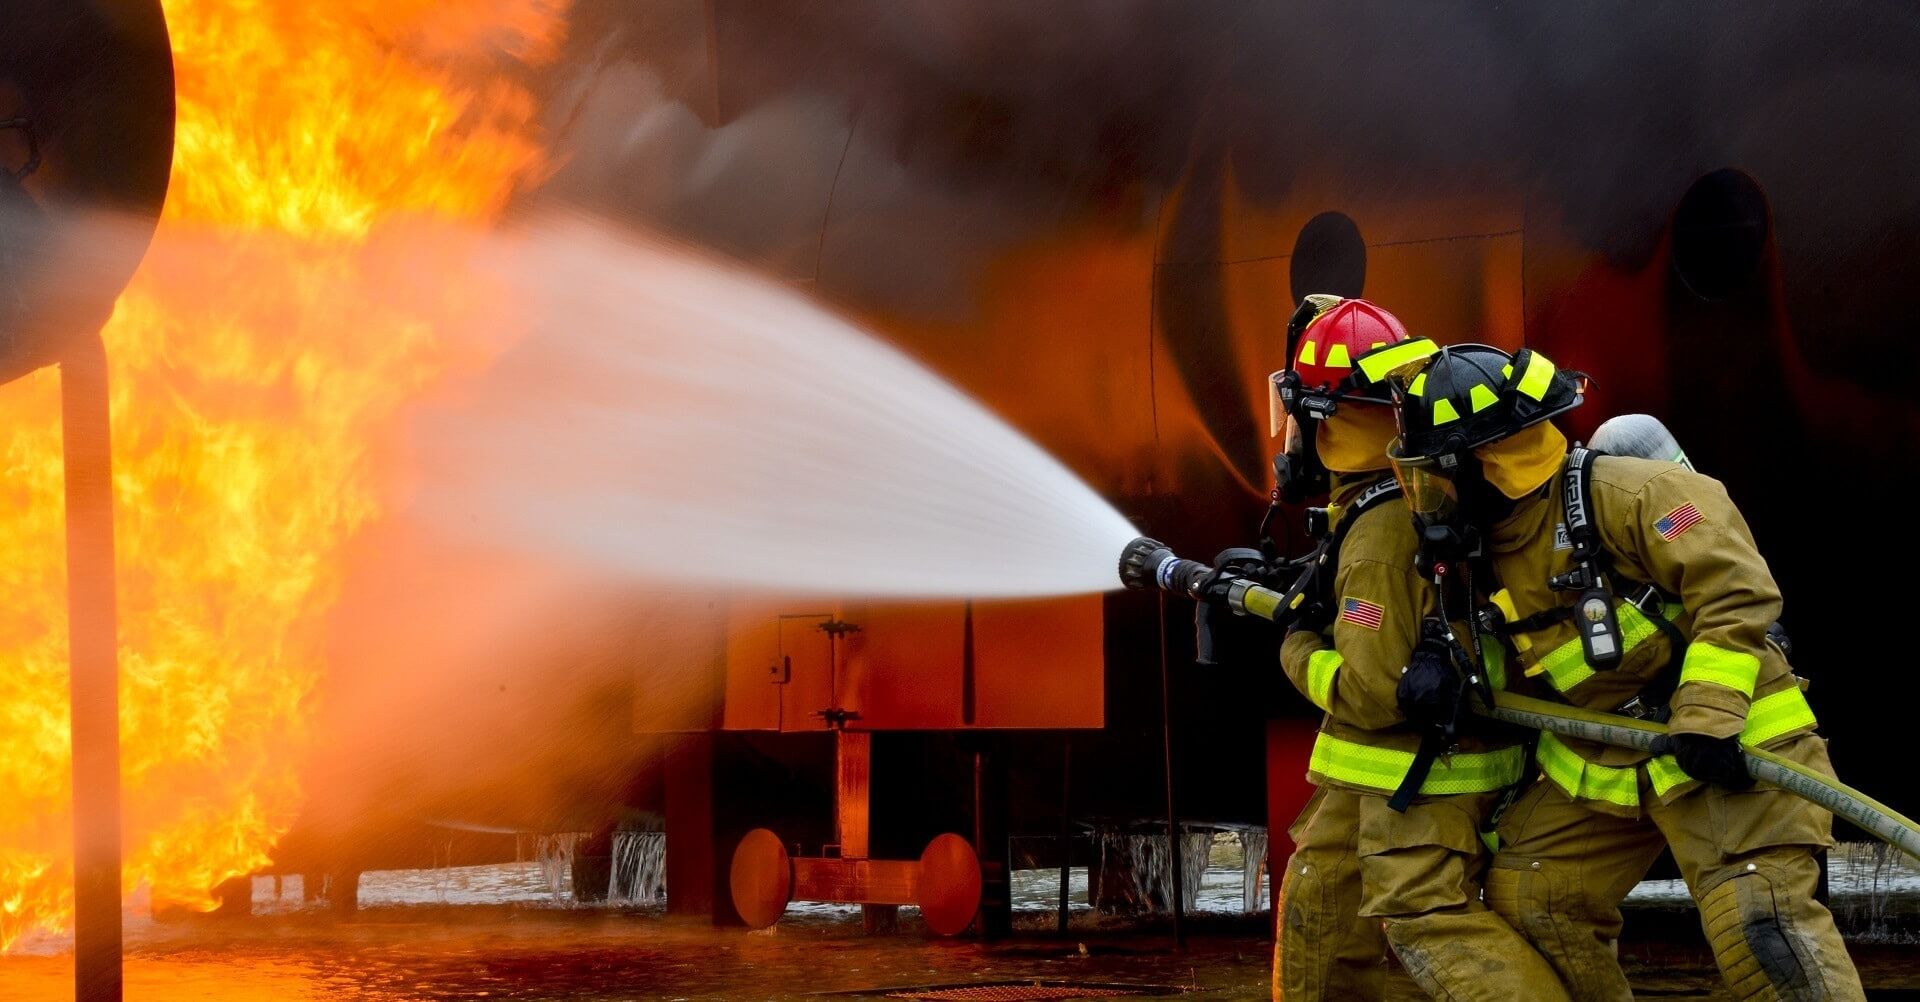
x: 1339, y: 333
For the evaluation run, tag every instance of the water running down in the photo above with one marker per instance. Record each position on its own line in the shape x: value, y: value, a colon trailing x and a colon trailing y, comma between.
x: 671, y: 417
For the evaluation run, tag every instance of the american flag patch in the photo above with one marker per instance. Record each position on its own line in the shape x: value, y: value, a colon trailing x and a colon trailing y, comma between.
x: 1677, y: 521
x: 1361, y: 612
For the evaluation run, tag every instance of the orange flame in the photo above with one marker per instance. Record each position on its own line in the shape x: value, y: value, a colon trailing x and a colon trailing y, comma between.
x: 282, y: 317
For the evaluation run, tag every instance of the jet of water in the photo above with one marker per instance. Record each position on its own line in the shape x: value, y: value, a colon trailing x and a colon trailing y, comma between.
x: 674, y: 417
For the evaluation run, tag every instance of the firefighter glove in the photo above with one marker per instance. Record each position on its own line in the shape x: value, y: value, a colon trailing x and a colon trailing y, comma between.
x: 1430, y: 691
x: 1713, y: 760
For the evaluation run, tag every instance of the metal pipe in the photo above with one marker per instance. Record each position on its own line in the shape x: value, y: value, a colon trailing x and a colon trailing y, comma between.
x: 1066, y: 832
x: 1166, y: 753
x: 93, y: 639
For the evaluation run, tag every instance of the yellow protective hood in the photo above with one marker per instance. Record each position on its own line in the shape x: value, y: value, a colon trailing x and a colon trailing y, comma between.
x: 1523, y: 462
x: 1354, y: 439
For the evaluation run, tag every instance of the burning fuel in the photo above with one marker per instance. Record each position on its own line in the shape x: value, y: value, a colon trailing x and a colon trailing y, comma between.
x: 301, y: 288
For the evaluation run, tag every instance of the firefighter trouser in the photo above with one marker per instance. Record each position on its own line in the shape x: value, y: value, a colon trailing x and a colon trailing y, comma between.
x: 1747, y: 856
x: 1420, y: 876
x: 1324, y: 949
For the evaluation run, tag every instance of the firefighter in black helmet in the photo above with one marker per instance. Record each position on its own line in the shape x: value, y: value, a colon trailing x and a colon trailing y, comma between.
x: 1629, y: 586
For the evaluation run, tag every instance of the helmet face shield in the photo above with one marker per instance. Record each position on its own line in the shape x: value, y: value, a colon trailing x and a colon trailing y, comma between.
x: 1432, y: 495
x: 1276, y: 404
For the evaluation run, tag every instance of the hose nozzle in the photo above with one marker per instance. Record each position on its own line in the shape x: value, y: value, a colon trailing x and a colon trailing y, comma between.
x: 1140, y: 562
x: 1149, y: 563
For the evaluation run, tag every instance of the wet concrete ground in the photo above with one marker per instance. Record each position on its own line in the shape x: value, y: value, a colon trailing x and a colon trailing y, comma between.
x: 431, y: 952
x: 510, y: 931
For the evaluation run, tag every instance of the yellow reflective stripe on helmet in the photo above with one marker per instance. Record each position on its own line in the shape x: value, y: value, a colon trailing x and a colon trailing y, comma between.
x: 1776, y: 714
x: 1321, y: 667
x: 1584, y: 780
x: 1736, y: 670
x: 1376, y: 364
x: 1384, y: 768
x: 1665, y: 772
x: 1443, y: 413
x: 1419, y: 385
x: 1306, y: 354
x: 1337, y: 358
x: 1538, y: 378
x: 1483, y: 397
x: 1566, y: 665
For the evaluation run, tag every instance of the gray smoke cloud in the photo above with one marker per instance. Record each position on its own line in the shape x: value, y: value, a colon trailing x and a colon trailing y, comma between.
x: 1061, y: 99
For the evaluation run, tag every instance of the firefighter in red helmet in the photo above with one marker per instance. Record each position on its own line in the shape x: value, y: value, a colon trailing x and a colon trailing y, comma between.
x: 1366, y: 876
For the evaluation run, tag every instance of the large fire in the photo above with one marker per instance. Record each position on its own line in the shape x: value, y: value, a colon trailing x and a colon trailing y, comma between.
x: 288, y: 308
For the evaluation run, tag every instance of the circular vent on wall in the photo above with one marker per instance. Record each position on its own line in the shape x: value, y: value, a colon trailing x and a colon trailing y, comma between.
x: 1329, y: 257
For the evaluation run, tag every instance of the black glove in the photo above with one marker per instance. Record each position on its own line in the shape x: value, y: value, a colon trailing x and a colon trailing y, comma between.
x: 1430, y: 691
x: 1314, y: 615
x: 1708, y: 759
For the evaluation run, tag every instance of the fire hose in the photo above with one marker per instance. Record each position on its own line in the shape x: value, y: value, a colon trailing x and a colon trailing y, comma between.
x: 1148, y: 563
x: 1872, y: 816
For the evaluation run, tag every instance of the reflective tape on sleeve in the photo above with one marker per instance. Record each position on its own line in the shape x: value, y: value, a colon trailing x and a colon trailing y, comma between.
x: 1776, y: 714
x: 1321, y: 667
x: 1736, y: 670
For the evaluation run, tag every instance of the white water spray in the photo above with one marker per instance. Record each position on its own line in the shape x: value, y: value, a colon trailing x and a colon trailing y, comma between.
x: 672, y: 417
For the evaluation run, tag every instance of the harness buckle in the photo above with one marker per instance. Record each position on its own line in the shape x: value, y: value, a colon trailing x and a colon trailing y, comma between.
x: 1647, y: 600
x: 1640, y: 708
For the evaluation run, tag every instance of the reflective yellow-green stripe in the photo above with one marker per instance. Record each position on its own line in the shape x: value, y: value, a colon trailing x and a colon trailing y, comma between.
x: 1443, y: 412
x: 1482, y: 397
x: 1566, y: 665
x: 1776, y: 714
x: 1321, y: 667
x: 1584, y: 780
x: 1666, y: 774
x: 1383, y: 768
x: 1376, y: 364
x: 1538, y: 378
x: 1495, y: 656
x: 1770, y: 717
x: 1737, y: 670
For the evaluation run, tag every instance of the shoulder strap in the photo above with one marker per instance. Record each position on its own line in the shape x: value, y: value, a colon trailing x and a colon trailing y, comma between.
x: 1576, y: 501
x: 1318, y: 568
x: 1368, y: 500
